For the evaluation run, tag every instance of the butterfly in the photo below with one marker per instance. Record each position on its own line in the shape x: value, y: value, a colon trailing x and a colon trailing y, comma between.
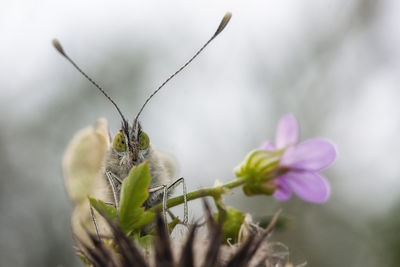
x: 95, y: 165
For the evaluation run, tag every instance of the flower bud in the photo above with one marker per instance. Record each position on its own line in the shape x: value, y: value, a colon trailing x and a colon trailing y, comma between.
x: 231, y: 223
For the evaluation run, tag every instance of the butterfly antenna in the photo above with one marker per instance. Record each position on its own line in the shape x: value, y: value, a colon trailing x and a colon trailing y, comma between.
x: 221, y: 27
x: 59, y: 48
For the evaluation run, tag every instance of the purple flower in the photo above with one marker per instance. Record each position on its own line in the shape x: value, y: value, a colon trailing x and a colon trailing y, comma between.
x: 301, y: 163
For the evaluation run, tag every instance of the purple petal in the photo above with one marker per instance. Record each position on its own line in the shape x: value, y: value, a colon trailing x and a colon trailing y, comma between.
x: 283, y: 191
x: 311, y: 155
x: 287, y: 132
x: 268, y: 145
x: 309, y: 186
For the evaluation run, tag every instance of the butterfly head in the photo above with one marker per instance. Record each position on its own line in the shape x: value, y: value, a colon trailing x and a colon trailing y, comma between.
x: 131, y: 142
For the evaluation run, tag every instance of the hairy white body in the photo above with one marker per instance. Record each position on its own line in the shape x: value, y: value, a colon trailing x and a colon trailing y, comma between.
x: 88, y: 157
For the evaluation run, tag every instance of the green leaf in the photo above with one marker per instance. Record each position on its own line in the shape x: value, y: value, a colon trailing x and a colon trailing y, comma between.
x: 145, y: 218
x: 146, y: 241
x: 139, y: 218
x: 134, y: 193
x: 103, y: 208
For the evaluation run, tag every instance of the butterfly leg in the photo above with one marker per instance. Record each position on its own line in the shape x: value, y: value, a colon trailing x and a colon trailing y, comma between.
x: 164, y: 200
x: 185, y: 206
x: 111, y: 177
x: 94, y: 221
x: 166, y: 189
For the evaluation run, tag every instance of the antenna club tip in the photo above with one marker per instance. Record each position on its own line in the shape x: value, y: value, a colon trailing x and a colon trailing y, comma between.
x: 225, y: 20
x: 58, y: 46
x: 227, y: 16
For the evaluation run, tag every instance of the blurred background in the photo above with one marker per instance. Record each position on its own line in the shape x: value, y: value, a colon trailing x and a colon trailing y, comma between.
x: 334, y: 64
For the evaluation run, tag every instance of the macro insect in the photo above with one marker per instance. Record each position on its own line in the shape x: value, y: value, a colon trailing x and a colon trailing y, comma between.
x: 129, y: 147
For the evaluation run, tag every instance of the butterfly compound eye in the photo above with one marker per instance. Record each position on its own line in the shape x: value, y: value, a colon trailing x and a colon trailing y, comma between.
x: 119, y: 142
x: 144, y: 141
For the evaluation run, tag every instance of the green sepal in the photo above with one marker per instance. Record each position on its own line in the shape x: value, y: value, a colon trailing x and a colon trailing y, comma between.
x: 259, y: 165
x: 134, y: 193
x: 231, y: 223
x: 104, y: 209
x: 264, y: 188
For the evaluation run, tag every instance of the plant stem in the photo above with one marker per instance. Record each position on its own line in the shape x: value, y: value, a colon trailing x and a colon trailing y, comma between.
x: 210, y: 191
x: 234, y: 183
